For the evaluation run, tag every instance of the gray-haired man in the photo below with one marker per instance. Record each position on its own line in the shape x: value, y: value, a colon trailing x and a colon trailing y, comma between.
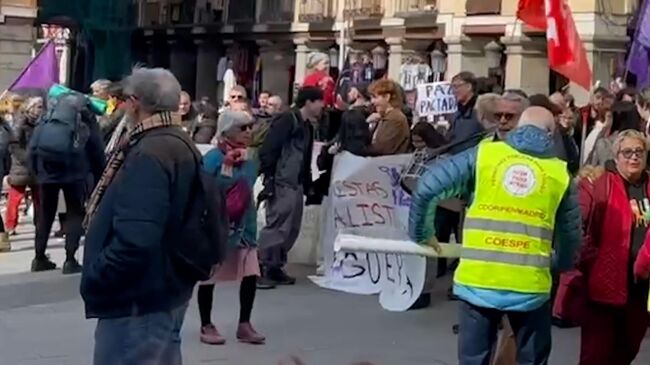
x: 129, y: 282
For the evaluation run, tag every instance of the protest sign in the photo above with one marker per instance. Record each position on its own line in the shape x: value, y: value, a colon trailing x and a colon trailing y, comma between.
x: 435, y: 98
x: 366, y: 201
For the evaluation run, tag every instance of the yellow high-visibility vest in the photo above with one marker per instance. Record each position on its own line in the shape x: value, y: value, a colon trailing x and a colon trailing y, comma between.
x: 508, y: 229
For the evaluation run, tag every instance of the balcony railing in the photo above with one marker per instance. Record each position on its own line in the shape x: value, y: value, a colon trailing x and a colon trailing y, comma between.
x: 415, y: 6
x: 317, y: 10
x: 275, y: 11
x: 364, y: 9
x: 241, y: 11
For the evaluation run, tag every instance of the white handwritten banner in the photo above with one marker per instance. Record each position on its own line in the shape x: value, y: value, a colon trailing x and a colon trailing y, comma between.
x: 435, y: 98
x: 366, y: 201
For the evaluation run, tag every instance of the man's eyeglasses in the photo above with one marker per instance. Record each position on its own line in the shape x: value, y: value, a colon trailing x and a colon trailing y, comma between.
x: 507, y: 116
x: 628, y: 152
x: 237, y: 97
x: 458, y: 85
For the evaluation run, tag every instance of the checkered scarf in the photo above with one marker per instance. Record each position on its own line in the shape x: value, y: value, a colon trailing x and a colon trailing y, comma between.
x: 116, y: 160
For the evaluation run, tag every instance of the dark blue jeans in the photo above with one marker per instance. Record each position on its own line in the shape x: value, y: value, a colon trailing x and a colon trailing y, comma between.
x: 151, y: 339
x: 478, y: 334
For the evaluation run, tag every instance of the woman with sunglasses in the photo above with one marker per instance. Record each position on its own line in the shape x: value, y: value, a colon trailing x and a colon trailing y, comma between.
x: 230, y: 164
x: 615, y: 205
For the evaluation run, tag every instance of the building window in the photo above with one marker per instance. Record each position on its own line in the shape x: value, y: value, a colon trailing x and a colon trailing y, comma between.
x: 482, y: 7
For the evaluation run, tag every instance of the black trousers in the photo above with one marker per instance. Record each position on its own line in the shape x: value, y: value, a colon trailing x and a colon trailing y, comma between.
x: 446, y: 223
x: 74, y: 195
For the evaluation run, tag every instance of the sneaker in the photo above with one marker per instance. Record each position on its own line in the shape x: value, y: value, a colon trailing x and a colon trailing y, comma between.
x: 264, y: 283
x: 11, y: 232
x: 59, y: 234
x: 5, y: 245
x: 71, y: 266
x: 42, y: 264
x: 210, y: 335
x: 247, y: 334
x: 280, y: 277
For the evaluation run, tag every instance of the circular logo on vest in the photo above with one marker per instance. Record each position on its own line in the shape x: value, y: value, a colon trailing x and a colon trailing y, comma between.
x: 519, y: 180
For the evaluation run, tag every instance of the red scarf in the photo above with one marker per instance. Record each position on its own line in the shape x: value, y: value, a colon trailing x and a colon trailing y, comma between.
x: 234, y: 155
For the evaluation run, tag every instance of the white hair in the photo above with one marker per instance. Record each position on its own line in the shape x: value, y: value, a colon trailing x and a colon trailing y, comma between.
x: 315, y: 58
x: 229, y: 120
x: 156, y: 89
x: 101, y: 84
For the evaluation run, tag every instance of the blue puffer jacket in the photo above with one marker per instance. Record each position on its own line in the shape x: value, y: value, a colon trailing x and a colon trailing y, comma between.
x: 454, y: 176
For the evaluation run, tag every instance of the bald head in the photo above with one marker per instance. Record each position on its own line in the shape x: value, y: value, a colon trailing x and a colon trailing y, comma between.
x: 538, y: 117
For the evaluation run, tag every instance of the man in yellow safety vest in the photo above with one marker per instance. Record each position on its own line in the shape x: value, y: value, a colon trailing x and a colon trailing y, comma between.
x: 522, y: 201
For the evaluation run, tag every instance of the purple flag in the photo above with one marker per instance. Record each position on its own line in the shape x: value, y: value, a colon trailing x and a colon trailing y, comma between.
x: 41, y: 72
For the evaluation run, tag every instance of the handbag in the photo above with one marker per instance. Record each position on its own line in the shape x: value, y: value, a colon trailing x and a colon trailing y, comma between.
x: 238, y: 198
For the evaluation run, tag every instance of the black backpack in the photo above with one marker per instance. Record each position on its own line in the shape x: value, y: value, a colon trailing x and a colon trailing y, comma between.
x: 61, y: 135
x: 201, y: 240
x: 205, y: 228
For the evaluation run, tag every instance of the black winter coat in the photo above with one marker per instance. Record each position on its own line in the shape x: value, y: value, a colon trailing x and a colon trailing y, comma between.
x: 126, y: 268
x: 20, y: 173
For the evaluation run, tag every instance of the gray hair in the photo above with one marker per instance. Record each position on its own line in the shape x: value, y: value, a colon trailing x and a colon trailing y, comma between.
x: 486, y: 105
x: 628, y: 134
x: 101, y: 84
x: 516, y: 97
x: 315, y: 58
x: 229, y: 120
x: 156, y: 89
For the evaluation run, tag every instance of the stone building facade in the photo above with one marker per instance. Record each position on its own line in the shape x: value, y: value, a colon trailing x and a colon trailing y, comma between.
x: 17, y: 35
x: 482, y: 36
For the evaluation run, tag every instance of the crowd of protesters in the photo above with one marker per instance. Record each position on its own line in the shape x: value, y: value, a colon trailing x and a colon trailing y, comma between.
x: 594, y: 200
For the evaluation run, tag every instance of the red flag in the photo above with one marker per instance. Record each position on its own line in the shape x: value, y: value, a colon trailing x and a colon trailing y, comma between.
x: 566, y: 53
x: 532, y: 13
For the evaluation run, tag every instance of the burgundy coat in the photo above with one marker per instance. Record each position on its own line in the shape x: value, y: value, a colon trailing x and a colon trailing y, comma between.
x: 607, y: 228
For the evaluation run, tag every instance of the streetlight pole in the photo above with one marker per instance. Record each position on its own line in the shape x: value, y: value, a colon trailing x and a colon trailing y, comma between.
x: 343, y: 34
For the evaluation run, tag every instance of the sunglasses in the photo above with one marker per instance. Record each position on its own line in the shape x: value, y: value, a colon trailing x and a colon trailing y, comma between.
x: 628, y: 152
x: 237, y: 97
x: 247, y: 127
x: 506, y: 116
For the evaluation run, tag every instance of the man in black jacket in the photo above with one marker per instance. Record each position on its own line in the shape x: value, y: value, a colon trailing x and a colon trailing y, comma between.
x: 285, y: 162
x: 134, y: 216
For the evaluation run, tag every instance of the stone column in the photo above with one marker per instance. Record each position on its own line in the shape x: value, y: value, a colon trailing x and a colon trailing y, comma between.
x: 207, y: 59
x: 395, y: 53
x: 527, y: 64
x: 301, y: 59
x: 602, y: 52
x: 465, y: 54
x: 276, y: 63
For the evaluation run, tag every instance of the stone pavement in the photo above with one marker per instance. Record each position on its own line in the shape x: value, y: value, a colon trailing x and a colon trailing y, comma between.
x: 41, y: 322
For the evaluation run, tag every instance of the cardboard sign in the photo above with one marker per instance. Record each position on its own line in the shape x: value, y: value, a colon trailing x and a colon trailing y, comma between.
x: 435, y: 98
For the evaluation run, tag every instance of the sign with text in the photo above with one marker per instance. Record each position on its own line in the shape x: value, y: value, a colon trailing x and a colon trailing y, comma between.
x: 366, y: 200
x: 435, y: 98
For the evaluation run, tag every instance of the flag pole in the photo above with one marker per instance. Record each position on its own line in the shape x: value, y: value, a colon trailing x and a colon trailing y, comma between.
x: 342, y: 35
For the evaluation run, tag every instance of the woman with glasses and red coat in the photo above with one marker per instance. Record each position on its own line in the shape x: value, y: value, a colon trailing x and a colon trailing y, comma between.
x: 614, y: 259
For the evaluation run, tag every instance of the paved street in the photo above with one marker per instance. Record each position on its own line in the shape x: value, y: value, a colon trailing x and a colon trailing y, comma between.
x: 41, y: 322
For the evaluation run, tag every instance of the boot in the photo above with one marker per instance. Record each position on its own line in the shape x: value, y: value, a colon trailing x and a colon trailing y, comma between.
x: 210, y: 335
x: 71, y: 266
x: 247, y: 334
x: 280, y: 277
x: 42, y: 264
x: 5, y: 245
